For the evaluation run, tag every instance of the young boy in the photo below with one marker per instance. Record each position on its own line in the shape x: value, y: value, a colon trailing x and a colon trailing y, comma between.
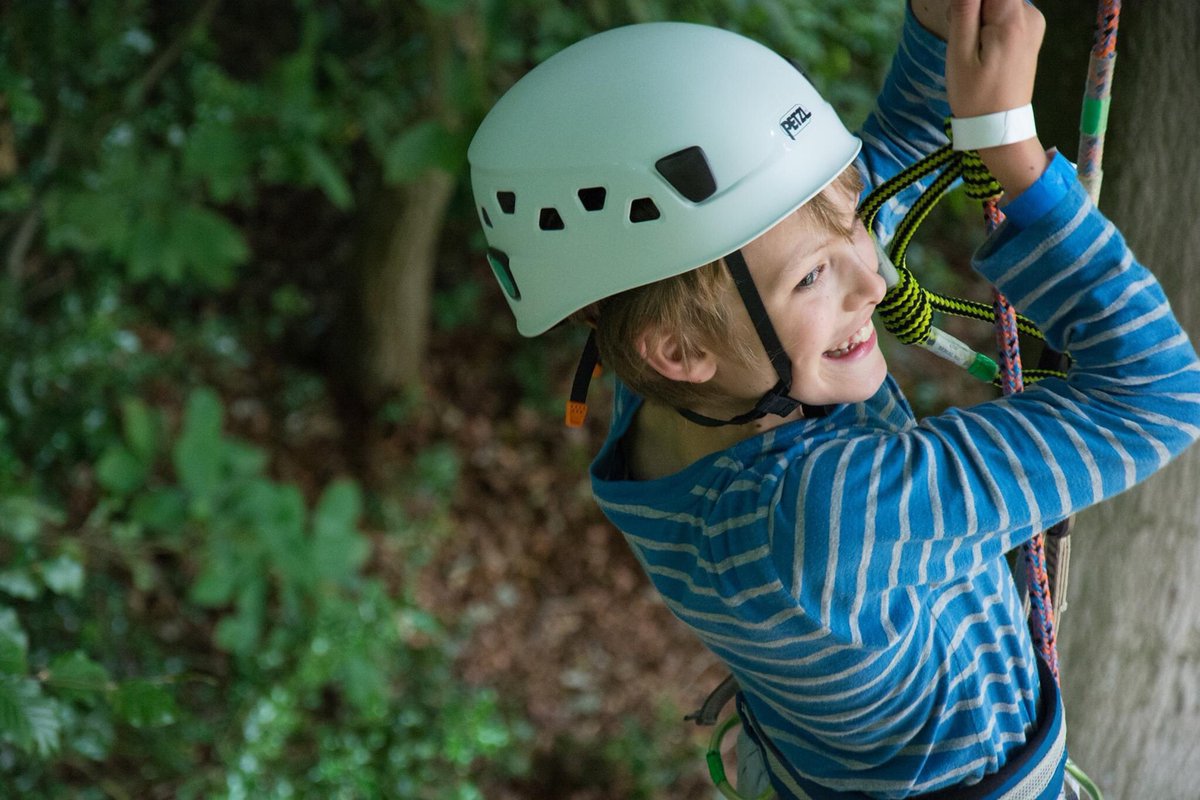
x: 691, y: 192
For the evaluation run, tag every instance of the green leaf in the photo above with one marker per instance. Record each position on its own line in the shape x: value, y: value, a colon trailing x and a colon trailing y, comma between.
x: 28, y: 718
x: 17, y: 582
x: 89, y: 221
x: 141, y: 428
x: 198, y: 453
x: 338, y: 547
x: 149, y: 254
x: 219, y: 154
x: 14, y: 644
x: 144, y: 704
x: 278, y: 515
x: 424, y: 146
x: 224, y: 569
x: 77, y: 677
x: 22, y: 518
x: 326, y: 175
x: 120, y: 471
x: 162, y: 510
x: 209, y: 243
x: 63, y: 575
x: 240, y: 633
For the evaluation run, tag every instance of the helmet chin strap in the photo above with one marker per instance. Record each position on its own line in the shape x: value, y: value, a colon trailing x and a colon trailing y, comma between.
x: 776, y: 401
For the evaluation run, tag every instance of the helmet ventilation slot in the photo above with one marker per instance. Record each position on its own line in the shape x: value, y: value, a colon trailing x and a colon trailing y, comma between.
x: 487, y: 219
x: 550, y: 220
x: 507, y: 201
x: 688, y: 173
x: 593, y: 198
x: 643, y: 210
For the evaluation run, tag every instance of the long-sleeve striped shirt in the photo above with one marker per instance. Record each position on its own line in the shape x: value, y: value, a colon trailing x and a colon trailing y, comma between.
x: 849, y: 570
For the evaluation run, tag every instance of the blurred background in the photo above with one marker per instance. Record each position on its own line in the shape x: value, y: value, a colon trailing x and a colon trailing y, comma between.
x: 287, y: 508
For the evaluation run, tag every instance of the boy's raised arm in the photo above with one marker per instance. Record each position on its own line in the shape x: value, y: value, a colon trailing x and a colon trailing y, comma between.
x: 991, y: 63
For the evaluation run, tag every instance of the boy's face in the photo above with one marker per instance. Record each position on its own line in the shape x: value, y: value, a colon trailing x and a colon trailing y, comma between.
x: 820, y: 289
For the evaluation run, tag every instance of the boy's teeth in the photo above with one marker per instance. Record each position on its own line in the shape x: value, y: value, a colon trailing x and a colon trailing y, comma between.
x: 860, y: 336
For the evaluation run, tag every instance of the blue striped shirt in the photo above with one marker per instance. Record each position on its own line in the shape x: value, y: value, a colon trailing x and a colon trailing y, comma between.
x: 849, y: 570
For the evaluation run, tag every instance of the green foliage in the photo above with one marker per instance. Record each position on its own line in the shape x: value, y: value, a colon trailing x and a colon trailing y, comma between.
x: 166, y: 601
x: 335, y: 682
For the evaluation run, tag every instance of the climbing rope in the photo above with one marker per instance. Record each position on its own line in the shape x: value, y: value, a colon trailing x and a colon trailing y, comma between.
x: 907, y: 307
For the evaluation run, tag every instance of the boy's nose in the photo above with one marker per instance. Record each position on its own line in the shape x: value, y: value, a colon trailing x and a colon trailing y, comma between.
x: 869, y: 287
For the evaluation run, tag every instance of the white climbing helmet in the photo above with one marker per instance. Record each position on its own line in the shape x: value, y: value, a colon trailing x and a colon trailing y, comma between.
x: 641, y: 153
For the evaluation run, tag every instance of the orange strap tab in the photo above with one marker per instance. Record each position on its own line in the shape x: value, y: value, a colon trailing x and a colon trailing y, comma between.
x: 576, y: 414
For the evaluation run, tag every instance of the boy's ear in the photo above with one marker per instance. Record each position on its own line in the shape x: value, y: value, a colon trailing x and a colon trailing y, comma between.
x: 670, y: 357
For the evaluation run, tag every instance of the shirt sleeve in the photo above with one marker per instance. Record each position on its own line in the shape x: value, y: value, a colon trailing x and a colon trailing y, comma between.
x: 934, y: 503
x: 1046, y: 192
x: 908, y: 121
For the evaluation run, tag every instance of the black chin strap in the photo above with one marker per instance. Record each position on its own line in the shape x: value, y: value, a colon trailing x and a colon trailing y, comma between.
x: 777, y: 400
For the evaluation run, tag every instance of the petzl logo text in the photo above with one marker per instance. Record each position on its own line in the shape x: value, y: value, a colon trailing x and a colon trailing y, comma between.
x: 795, y: 120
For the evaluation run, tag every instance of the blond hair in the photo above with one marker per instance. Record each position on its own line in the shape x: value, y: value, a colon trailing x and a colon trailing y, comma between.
x: 700, y: 308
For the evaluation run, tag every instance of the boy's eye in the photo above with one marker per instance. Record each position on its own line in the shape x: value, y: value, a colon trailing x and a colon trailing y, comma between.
x: 811, y: 278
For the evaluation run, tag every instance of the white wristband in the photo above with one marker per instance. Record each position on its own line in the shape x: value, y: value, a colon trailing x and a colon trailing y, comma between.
x: 993, y: 130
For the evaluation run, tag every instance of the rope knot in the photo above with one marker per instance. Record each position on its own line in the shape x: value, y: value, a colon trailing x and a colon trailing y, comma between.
x: 977, y: 181
x: 905, y: 309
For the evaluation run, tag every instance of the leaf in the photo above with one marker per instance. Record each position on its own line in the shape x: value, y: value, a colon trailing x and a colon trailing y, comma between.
x: 120, y: 471
x: 326, y: 175
x: 223, y: 570
x: 28, y: 718
x: 144, y: 704
x: 17, y: 582
x: 141, y: 428
x: 89, y: 221
x: 208, y: 243
x: 22, y: 518
x: 338, y: 547
x: 163, y: 510
x: 77, y: 677
x: 198, y: 453
x: 14, y: 644
x: 63, y: 575
x: 278, y: 515
x: 218, y: 153
x: 423, y: 146
x: 149, y: 254
x: 240, y: 633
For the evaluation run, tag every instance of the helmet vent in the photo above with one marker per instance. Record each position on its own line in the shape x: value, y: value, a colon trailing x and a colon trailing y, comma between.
x: 507, y: 201
x: 593, y: 198
x: 688, y: 173
x: 550, y: 220
x: 498, y: 261
x: 487, y: 220
x: 643, y: 210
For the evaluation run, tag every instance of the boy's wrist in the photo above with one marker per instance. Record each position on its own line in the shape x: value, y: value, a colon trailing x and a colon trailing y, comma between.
x: 1016, y: 166
x: 1025, y: 209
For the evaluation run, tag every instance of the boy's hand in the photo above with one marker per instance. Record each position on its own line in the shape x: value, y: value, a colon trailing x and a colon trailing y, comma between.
x: 991, y: 62
x: 991, y: 55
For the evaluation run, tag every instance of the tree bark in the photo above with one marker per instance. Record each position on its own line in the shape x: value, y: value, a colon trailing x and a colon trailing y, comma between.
x: 398, y: 263
x: 1130, y: 636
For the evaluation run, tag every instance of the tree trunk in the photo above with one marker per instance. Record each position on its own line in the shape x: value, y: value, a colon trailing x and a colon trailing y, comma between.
x: 398, y: 261
x: 1130, y: 637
